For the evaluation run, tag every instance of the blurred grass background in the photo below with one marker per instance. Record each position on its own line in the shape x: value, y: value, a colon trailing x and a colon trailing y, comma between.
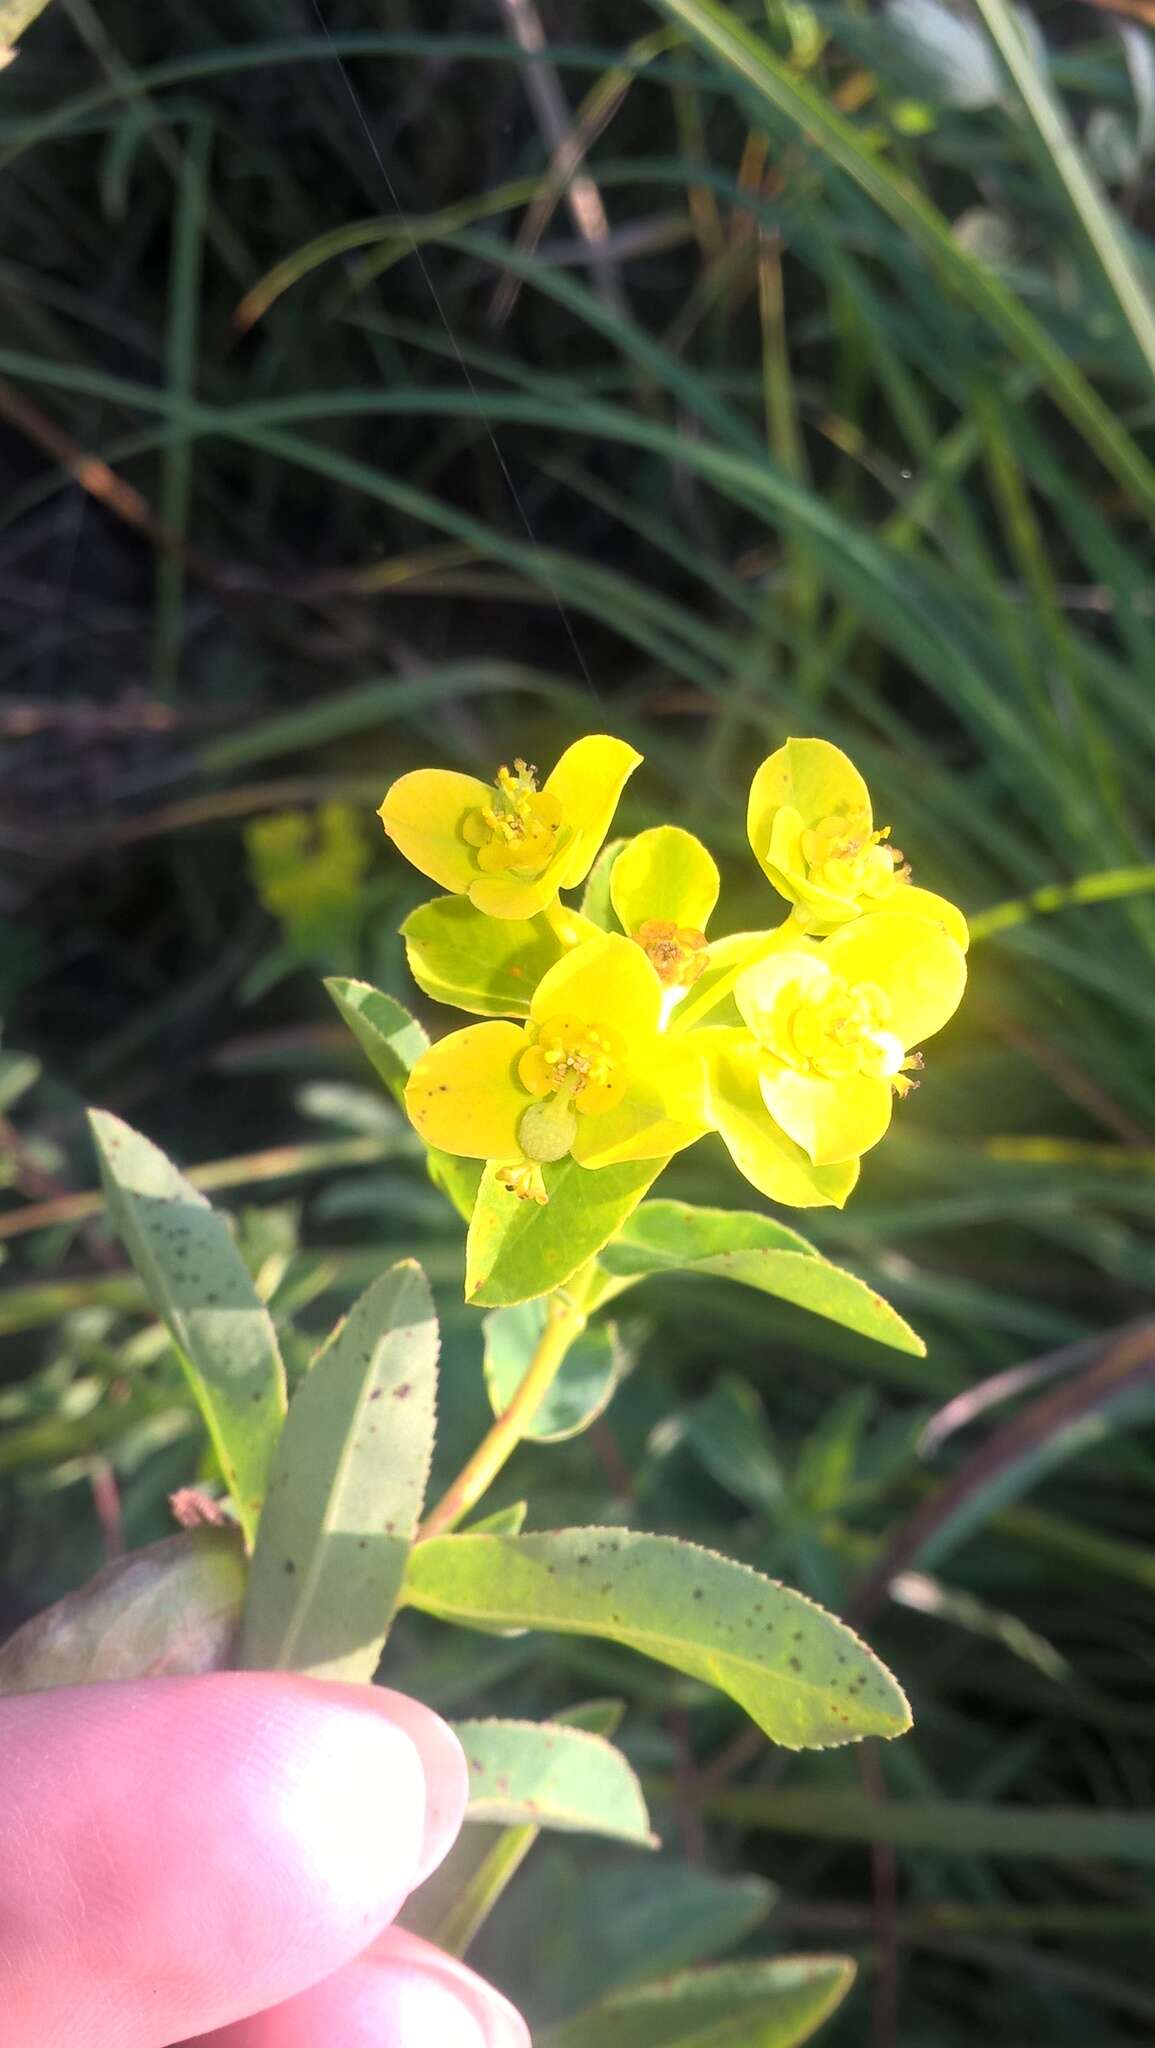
x: 374, y: 391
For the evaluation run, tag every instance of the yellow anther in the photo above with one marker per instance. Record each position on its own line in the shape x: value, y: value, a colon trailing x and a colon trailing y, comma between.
x: 524, y: 1180
x: 517, y: 832
x: 586, y: 1061
x: 843, y: 854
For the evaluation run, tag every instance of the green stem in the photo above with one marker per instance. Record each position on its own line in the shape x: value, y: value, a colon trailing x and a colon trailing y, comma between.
x: 1095, y: 888
x: 565, y: 1321
x: 561, y: 923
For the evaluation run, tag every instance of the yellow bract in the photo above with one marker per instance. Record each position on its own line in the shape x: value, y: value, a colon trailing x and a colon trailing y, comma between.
x: 833, y: 1025
x: 811, y: 827
x: 613, y: 1059
x: 510, y: 846
x: 590, y: 1074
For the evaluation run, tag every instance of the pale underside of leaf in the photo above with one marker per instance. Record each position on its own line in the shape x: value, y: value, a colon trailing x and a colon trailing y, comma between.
x: 171, y: 1609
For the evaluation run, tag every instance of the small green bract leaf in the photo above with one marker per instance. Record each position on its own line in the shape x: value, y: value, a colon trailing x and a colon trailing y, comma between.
x: 347, y: 1488
x: 172, y: 1608
x: 516, y: 1250
x: 740, y: 2005
x: 488, y: 965
x: 553, y: 1777
x: 664, y: 1237
x: 197, y: 1284
x: 508, y: 1521
x: 583, y: 1386
x: 800, y: 1674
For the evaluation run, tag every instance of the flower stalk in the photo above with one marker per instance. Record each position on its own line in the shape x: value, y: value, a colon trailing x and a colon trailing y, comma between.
x: 568, y: 1313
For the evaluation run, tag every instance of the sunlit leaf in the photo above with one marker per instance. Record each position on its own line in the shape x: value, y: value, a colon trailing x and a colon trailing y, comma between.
x: 665, y: 1237
x: 517, y: 1250
x: 774, y: 2004
x: 553, y: 1777
x: 805, y: 1679
x: 487, y: 965
x: 198, y: 1285
x: 347, y: 1488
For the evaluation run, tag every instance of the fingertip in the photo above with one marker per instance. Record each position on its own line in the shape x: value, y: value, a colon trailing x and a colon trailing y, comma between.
x: 401, y: 1991
x: 445, y: 1768
x: 201, y: 1848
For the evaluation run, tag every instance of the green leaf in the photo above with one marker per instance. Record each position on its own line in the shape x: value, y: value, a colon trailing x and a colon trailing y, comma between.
x: 720, y: 31
x: 772, y: 2004
x: 452, y: 1906
x: 728, y: 1430
x: 664, y: 873
x: 583, y: 1387
x: 805, y: 1679
x: 951, y: 1827
x: 596, y: 903
x: 169, y: 1609
x: 547, y: 1775
x: 347, y: 1488
x: 392, y: 1040
x: 508, y: 1521
x: 666, y: 1237
x: 197, y: 1284
x: 516, y: 1250
x: 632, y: 1925
x: 488, y: 965
x: 459, y: 1179
x: 388, y: 1036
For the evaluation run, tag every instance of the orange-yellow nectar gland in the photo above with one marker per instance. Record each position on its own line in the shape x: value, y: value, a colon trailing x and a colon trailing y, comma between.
x: 517, y: 832
x: 677, y: 953
x: 843, y: 854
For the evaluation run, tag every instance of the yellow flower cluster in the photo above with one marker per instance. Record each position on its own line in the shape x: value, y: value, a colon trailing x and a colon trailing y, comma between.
x: 607, y: 1046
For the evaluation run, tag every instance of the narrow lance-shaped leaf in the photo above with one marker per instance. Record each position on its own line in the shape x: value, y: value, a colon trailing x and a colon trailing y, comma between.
x: 172, y: 1608
x: 637, y: 1923
x: 197, y: 1283
x: 801, y: 1675
x: 516, y: 1250
x: 347, y: 1488
x: 388, y: 1036
x: 673, y: 1237
x: 553, y: 1777
x: 773, y: 2004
